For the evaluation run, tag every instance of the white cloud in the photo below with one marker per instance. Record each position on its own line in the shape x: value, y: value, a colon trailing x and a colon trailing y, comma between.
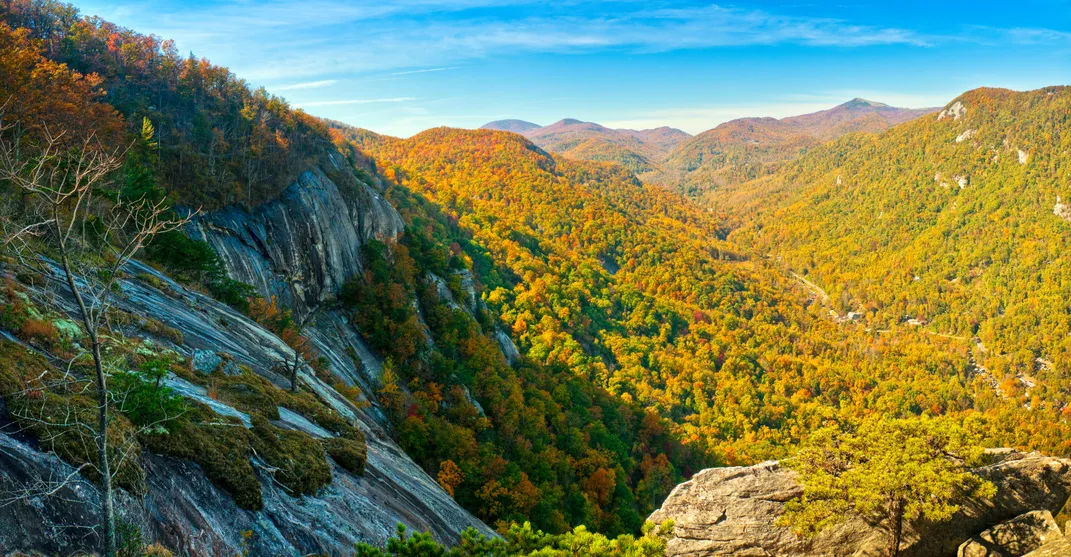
x: 306, y: 85
x: 336, y: 36
x: 428, y: 70
x: 356, y: 101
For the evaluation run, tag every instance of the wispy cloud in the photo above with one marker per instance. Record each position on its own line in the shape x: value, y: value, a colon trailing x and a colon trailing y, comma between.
x: 388, y: 52
x: 346, y: 36
x: 356, y: 101
x: 428, y: 70
x: 306, y: 85
x: 336, y: 36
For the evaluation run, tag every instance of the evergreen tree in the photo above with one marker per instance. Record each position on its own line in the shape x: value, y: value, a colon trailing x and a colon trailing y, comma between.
x: 888, y: 472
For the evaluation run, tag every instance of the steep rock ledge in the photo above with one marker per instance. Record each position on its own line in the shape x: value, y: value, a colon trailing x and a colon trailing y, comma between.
x: 182, y: 508
x: 301, y: 247
x: 732, y: 511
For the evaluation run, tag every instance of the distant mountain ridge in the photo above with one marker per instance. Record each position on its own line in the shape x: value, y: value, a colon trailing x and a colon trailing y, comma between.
x: 515, y: 126
x: 733, y: 152
x: 855, y: 115
x: 747, y: 148
x: 637, y: 150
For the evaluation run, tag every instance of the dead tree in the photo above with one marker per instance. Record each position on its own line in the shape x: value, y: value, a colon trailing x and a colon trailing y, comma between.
x: 70, y: 232
x: 302, y: 346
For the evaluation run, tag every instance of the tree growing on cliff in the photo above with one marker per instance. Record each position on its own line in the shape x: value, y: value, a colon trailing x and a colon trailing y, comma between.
x: 888, y: 472
x: 75, y: 230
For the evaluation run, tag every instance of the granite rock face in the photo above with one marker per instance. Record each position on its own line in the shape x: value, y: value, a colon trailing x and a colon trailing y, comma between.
x: 1058, y: 548
x: 182, y: 508
x: 302, y: 247
x: 733, y: 511
x: 299, y: 248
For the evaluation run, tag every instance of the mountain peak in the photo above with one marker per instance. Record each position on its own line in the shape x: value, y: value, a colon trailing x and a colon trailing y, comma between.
x: 512, y: 125
x: 861, y: 103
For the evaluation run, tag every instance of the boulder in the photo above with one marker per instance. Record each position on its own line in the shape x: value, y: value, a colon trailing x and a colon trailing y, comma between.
x: 205, y: 361
x: 734, y: 511
x: 1058, y: 548
x: 1018, y: 536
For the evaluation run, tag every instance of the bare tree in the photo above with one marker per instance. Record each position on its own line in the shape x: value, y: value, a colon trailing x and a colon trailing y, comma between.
x: 302, y: 346
x: 74, y: 234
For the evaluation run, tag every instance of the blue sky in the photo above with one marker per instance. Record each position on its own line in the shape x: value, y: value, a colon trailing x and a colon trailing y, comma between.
x: 399, y: 67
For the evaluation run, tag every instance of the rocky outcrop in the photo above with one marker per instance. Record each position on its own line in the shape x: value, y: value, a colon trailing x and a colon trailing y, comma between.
x: 955, y: 111
x: 1058, y: 548
x: 301, y: 247
x: 182, y: 508
x: 1013, y: 538
x: 733, y: 511
x: 1062, y: 210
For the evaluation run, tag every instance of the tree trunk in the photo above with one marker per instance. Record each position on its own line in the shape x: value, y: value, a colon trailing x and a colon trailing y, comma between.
x: 898, y: 528
x: 107, y: 508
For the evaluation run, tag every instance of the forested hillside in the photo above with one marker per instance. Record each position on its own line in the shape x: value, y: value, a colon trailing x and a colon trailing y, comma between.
x: 640, y: 151
x: 952, y: 223
x: 748, y: 148
x: 627, y: 286
x: 576, y: 455
x: 220, y: 141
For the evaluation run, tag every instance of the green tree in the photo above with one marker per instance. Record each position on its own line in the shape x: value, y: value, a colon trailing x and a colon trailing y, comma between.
x: 523, y: 540
x: 888, y: 472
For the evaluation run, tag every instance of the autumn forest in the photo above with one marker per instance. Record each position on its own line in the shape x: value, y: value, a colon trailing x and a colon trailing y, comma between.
x: 560, y: 335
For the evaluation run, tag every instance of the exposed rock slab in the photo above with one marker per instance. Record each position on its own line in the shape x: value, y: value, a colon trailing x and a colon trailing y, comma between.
x: 183, y: 509
x: 733, y: 511
x: 301, y: 247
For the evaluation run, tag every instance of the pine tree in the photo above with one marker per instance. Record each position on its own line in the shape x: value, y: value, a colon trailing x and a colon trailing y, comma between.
x: 888, y: 472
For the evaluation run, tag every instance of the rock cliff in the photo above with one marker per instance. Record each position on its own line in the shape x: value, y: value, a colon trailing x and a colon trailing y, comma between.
x: 299, y: 248
x: 733, y: 511
x: 304, y: 245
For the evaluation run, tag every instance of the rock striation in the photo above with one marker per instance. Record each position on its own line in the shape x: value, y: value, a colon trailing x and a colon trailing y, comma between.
x: 301, y: 247
x: 1058, y: 548
x: 733, y: 511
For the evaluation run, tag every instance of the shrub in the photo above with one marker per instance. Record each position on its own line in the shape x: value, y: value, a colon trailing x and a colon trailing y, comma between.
x: 299, y: 461
x: 141, y: 396
x: 157, y: 328
x: 347, y: 453
x: 46, y: 414
x: 39, y: 331
x: 195, y: 261
x: 157, y: 550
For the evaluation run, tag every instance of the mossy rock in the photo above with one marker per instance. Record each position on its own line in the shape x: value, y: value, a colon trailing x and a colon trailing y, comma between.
x: 68, y: 329
x: 254, y: 394
x: 350, y: 454
x: 221, y: 446
x: 45, y: 411
x: 298, y: 459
